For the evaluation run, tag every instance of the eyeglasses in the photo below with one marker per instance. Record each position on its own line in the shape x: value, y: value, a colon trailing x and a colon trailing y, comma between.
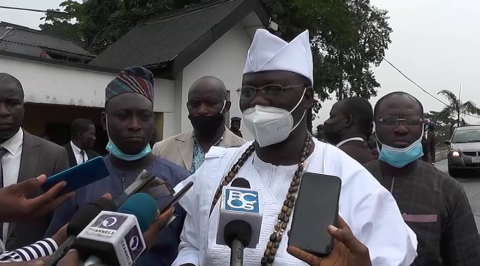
x: 268, y: 91
x: 410, y: 121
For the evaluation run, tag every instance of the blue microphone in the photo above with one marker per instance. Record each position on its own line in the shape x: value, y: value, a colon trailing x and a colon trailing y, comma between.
x: 240, y: 219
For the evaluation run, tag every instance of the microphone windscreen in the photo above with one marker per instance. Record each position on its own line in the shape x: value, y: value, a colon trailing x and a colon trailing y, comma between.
x: 105, y: 204
x: 240, y: 182
x: 239, y: 230
x: 143, y: 207
x: 87, y: 213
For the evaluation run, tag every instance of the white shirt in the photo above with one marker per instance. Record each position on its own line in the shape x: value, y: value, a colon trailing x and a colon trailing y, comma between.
x: 78, y: 156
x: 348, y: 140
x: 11, y: 166
x: 366, y: 206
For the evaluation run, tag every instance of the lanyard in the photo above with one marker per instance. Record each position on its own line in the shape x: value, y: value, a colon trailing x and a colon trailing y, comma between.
x: 348, y: 140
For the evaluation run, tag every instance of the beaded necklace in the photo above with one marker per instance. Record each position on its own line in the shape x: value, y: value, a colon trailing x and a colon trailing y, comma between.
x: 287, y: 208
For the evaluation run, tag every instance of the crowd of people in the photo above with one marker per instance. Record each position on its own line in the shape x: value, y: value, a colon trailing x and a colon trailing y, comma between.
x: 395, y: 207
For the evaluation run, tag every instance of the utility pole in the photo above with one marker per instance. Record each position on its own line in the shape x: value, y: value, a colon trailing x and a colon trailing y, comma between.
x: 458, y: 107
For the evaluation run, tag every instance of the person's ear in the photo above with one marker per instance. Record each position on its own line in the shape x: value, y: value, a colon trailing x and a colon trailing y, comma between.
x: 309, y: 98
x: 226, y: 109
x: 103, y: 120
x: 350, y: 121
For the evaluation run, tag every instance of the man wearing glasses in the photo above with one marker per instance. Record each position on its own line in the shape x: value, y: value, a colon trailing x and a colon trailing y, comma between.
x: 276, y: 92
x: 434, y: 205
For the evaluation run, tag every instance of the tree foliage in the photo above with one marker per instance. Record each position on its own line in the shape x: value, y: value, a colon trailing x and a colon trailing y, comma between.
x: 456, y: 108
x: 348, y: 37
x: 444, y: 125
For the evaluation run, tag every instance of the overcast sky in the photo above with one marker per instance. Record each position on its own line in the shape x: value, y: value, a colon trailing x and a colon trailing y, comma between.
x: 434, y: 42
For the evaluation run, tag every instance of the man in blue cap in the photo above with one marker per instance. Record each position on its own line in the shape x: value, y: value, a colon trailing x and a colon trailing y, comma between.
x: 128, y: 120
x: 235, y: 125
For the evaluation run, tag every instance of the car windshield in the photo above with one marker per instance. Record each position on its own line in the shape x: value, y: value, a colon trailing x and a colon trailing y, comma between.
x: 466, y: 136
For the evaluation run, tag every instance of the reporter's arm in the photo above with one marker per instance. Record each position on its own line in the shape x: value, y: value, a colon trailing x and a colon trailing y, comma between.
x: 37, y: 250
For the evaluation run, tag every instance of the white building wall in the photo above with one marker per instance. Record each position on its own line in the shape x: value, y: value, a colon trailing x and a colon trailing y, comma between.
x: 175, y: 118
x: 225, y: 59
x: 56, y: 84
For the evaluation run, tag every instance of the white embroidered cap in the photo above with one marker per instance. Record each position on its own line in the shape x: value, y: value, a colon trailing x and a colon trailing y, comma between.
x: 269, y: 52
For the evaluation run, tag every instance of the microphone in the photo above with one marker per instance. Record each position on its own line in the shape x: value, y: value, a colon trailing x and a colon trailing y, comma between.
x: 116, y: 238
x: 240, y: 219
x: 79, y: 221
x: 143, y: 179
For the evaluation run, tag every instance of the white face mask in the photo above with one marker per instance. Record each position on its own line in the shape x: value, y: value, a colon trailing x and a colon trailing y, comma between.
x: 270, y: 125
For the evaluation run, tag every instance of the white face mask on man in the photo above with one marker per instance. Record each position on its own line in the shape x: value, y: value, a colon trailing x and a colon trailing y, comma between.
x: 271, y: 125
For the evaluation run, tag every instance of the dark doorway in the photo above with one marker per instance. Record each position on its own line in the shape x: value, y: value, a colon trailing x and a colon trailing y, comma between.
x: 54, y: 121
x: 60, y: 134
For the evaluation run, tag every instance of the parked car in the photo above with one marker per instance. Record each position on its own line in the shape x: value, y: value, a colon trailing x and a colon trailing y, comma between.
x: 464, y: 150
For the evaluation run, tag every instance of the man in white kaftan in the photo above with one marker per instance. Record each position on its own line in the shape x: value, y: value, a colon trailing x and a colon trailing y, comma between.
x: 365, y: 205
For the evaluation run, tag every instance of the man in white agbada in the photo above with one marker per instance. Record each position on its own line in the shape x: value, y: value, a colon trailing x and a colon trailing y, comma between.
x: 275, y: 94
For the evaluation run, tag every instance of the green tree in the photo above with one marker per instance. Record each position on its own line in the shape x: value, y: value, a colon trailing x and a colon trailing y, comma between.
x: 348, y: 37
x: 60, y: 23
x: 456, y: 108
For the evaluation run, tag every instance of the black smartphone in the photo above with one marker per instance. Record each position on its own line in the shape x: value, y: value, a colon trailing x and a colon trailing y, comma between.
x: 174, y: 200
x: 315, y: 209
x: 78, y: 176
x: 158, y: 189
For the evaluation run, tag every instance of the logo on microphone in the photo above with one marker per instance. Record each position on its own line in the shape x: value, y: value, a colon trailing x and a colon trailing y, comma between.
x: 134, y: 244
x: 241, y: 200
x: 106, y: 225
x: 110, y: 221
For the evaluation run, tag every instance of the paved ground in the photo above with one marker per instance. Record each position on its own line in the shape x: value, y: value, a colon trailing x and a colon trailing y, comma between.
x: 471, y: 185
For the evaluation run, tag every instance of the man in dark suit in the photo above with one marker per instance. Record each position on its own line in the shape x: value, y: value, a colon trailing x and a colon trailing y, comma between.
x: 23, y: 156
x: 350, y: 126
x: 83, y: 138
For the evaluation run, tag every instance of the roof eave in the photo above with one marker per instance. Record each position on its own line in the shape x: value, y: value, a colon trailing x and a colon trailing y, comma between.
x: 59, y: 62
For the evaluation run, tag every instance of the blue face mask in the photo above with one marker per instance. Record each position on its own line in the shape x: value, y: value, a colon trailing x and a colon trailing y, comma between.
x: 112, y: 148
x: 399, y: 157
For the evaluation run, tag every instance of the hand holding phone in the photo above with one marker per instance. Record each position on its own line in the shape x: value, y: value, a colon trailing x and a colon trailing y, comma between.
x: 160, y: 222
x: 16, y: 207
x: 78, y: 176
x: 315, y: 209
x: 348, y: 250
x: 165, y: 196
x: 174, y: 200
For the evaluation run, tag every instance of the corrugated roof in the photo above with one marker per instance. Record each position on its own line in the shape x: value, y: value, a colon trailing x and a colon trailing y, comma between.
x: 24, y: 36
x: 161, y: 40
x: 18, y: 48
